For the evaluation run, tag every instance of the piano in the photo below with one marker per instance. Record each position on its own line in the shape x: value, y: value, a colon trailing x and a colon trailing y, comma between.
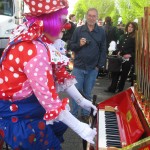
x: 121, y: 124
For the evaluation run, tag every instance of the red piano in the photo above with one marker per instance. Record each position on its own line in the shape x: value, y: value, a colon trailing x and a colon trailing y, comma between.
x: 121, y: 123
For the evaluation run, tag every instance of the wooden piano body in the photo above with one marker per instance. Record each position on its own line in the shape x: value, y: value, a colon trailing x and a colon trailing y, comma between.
x: 133, y: 127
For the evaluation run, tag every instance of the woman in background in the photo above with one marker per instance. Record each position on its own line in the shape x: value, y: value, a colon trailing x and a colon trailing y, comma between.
x: 126, y: 49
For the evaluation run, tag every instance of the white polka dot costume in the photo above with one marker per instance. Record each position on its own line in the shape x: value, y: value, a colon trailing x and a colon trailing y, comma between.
x: 32, y: 67
x: 38, y: 7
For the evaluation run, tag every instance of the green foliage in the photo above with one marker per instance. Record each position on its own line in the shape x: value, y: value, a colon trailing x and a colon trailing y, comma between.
x: 127, y: 9
x: 105, y: 8
x: 131, y: 9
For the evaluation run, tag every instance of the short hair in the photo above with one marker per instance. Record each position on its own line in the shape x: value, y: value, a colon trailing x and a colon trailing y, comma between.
x: 100, y: 19
x: 108, y: 20
x: 91, y: 9
x: 71, y: 15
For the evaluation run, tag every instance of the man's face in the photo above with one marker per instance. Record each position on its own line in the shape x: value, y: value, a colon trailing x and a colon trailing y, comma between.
x: 91, y: 17
x: 100, y: 23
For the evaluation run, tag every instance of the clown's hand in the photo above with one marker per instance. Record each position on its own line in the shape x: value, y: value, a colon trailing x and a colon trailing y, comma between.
x: 80, y: 100
x: 88, y: 134
x: 86, y: 104
x: 82, y: 129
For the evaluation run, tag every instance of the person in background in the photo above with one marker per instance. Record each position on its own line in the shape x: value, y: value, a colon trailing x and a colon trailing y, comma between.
x: 119, y: 31
x: 68, y: 33
x: 100, y: 22
x: 110, y: 31
x: 80, y: 23
x: 126, y: 49
x: 88, y: 42
x: 32, y: 72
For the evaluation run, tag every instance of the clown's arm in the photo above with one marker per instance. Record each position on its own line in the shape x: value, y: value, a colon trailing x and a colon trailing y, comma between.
x: 43, y: 87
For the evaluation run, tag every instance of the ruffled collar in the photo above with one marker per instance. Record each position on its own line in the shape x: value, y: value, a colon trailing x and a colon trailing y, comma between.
x: 28, y: 31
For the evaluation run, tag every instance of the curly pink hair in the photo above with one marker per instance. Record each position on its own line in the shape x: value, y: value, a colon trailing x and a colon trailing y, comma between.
x: 53, y: 22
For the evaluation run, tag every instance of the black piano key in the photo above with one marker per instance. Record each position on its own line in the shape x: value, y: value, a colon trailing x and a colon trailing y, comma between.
x: 113, y: 137
x: 107, y: 118
x: 113, y: 141
x: 112, y: 126
x: 110, y: 115
x: 114, y: 145
x: 109, y: 112
x: 111, y: 123
x: 110, y: 119
x: 112, y: 131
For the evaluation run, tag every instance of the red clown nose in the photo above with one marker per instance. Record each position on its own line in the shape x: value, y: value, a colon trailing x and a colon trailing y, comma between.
x: 67, y: 26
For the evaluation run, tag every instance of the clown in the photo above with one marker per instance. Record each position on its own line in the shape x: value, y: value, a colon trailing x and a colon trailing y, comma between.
x: 32, y: 72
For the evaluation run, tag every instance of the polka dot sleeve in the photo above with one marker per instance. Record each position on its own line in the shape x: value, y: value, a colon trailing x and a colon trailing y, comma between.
x: 63, y: 78
x: 40, y: 75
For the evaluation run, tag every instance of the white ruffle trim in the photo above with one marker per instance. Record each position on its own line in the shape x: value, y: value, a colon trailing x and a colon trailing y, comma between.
x: 22, y: 28
x: 67, y: 83
x: 56, y: 56
x: 60, y: 46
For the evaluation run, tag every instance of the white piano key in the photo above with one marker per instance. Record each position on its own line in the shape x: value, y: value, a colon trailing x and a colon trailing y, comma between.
x: 101, y: 129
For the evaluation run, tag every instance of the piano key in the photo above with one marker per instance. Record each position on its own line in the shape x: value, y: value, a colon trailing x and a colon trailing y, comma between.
x: 112, y: 137
x: 114, y: 145
x: 111, y: 120
x: 109, y: 127
x: 111, y: 123
x: 113, y: 142
x: 109, y: 112
x: 101, y: 129
x: 112, y: 132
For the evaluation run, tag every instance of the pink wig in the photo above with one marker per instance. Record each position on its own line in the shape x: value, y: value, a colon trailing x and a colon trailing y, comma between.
x: 53, y: 22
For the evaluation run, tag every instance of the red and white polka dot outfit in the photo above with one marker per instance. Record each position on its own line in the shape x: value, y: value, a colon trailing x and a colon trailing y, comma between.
x: 39, y: 7
x: 32, y: 67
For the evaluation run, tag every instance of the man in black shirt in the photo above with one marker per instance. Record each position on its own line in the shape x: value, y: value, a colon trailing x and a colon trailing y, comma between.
x: 88, y: 42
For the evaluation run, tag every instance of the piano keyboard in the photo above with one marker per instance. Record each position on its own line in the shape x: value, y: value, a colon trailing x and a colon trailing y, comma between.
x: 108, y: 132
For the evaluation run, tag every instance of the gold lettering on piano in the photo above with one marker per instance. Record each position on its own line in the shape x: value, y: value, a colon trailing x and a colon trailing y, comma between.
x: 128, y: 116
